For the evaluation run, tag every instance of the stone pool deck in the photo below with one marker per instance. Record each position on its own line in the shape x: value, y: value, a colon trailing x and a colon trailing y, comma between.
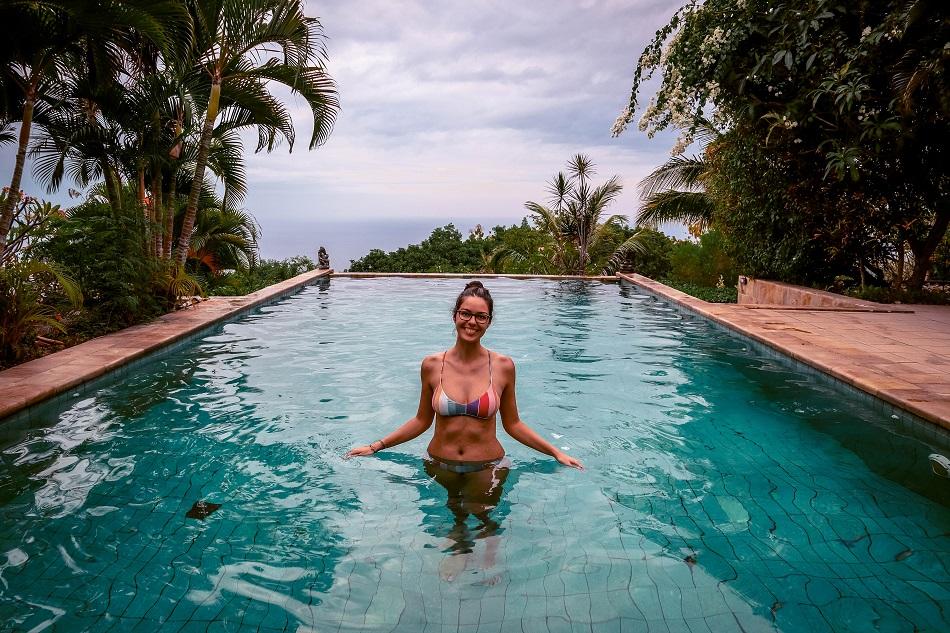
x: 900, y: 356
x: 37, y: 380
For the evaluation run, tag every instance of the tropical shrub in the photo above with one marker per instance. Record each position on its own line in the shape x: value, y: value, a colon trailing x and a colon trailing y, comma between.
x: 703, y: 262
x: 444, y: 251
x: 34, y: 293
x: 581, y: 240
x: 835, y: 117
x: 713, y: 294
x: 267, y: 272
x: 654, y: 260
x: 106, y: 253
x: 33, y: 297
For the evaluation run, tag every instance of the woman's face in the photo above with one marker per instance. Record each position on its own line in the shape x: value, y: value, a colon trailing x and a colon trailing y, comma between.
x: 470, y: 329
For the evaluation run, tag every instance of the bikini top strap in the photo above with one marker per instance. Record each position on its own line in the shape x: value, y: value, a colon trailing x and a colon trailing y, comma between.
x: 442, y: 371
x: 491, y: 379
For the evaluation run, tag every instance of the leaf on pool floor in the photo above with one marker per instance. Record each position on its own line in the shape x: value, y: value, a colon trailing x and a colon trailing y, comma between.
x: 201, y: 509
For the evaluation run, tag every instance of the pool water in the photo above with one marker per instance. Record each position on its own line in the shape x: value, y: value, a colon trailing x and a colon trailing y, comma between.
x: 723, y: 491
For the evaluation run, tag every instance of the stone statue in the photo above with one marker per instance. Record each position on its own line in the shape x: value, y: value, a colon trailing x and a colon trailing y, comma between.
x: 323, y: 260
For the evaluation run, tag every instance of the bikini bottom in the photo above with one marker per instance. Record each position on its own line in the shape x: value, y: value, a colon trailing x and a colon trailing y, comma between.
x: 462, y: 467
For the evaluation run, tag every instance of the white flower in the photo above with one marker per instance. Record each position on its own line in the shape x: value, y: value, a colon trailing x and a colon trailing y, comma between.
x: 623, y: 120
x: 865, y: 32
x: 682, y: 142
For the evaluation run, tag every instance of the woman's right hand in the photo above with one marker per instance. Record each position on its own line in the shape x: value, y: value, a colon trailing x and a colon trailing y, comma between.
x: 359, y: 451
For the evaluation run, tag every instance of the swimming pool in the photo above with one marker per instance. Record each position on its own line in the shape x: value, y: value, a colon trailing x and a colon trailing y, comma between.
x: 724, y: 491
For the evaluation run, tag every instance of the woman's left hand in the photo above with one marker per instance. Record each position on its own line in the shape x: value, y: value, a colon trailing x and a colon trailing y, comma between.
x: 359, y: 451
x: 567, y: 460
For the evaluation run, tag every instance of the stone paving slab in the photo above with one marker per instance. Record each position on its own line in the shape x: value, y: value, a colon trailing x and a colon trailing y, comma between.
x: 37, y: 380
x: 902, y: 357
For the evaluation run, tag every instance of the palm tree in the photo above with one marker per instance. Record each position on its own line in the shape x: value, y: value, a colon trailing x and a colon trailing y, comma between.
x: 29, y: 67
x: 224, y: 239
x: 676, y: 190
x: 575, y: 224
x: 44, y: 41
x: 921, y: 72
x: 234, y: 47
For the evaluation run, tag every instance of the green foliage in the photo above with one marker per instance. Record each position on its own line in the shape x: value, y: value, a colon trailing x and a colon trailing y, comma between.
x: 728, y: 294
x: 581, y: 241
x: 264, y: 273
x: 935, y: 295
x: 444, y: 251
x: 703, y: 262
x: 223, y: 239
x: 835, y: 118
x: 106, y: 254
x: 654, y: 262
x: 523, y: 250
x: 32, y: 295
x: 941, y: 268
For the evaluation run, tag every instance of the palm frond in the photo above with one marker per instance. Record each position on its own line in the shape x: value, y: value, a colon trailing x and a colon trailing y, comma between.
x: 687, y: 207
x: 679, y: 172
x: 633, y: 245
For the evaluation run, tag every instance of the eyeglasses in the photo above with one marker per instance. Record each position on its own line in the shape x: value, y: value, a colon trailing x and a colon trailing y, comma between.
x: 480, y: 317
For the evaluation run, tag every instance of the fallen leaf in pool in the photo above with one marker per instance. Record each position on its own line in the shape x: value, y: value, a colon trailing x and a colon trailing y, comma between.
x: 201, y: 509
x: 905, y: 554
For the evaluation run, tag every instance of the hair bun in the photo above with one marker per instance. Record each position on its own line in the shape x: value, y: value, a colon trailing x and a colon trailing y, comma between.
x: 474, y: 284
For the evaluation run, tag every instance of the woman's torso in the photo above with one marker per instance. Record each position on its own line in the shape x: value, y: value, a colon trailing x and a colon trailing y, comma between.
x: 475, y: 389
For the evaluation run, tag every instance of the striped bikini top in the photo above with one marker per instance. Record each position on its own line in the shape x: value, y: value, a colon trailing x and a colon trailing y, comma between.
x: 483, y: 407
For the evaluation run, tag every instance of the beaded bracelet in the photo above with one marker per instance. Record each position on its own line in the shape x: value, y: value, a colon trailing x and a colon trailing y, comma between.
x: 375, y: 450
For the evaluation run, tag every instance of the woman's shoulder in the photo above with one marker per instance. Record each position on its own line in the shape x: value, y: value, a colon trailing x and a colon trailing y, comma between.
x: 502, y: 361
x: 432, y: 361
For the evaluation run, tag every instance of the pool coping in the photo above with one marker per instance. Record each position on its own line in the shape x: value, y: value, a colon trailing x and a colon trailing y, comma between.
x: 28, y: 384
x: 833, y: 366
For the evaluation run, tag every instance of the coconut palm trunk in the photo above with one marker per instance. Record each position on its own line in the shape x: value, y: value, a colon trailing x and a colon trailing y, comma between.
x: 9, y: 203
x: 157, y: 210
x: 191, y: 211
x: 171, y: 207
x: 113, y: 185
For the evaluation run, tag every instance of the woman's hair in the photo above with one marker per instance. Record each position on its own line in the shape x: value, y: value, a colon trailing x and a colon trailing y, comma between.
x: 475, y: 289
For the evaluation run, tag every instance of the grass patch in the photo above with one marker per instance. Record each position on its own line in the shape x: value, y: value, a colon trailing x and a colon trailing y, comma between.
x: 706, y: 293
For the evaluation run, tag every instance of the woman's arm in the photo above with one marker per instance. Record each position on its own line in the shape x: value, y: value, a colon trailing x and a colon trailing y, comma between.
x: 514, y: 425
x: 412, y: 428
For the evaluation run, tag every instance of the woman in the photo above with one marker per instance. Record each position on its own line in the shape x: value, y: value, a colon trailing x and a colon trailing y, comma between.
x: 465, y: 456
x: 464, y: 440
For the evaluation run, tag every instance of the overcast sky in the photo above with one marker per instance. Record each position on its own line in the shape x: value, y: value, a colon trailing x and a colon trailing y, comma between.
x: 458, y: 110
x: 467, y: 108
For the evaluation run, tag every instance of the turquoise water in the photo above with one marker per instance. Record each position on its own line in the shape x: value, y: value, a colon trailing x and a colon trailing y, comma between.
x: 724, y: 492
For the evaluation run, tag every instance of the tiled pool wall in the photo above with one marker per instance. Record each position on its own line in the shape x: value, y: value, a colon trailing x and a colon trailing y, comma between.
x: 911, y: 424
x: 77, y: 392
